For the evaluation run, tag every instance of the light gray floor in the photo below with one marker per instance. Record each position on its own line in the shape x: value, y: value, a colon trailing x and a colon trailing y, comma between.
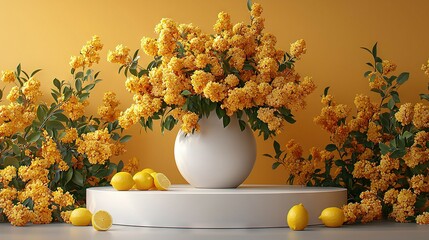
x: 378, y: 230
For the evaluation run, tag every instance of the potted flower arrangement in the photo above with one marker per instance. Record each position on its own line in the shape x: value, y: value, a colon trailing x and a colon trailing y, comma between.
x: 236, y: 75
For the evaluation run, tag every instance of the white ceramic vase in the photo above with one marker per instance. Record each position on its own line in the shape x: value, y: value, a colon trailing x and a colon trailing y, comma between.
x: 216, y: 157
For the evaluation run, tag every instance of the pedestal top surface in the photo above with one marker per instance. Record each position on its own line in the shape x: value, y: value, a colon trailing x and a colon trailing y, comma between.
x: 243, y: 189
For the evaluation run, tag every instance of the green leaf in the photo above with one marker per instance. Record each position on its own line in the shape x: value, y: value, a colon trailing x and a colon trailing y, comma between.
x: 78, y: 85
x: 403, y: 77
x: 28, y: 203
x: 374, y: 50
x: 41, y: 113
x: 366, y: 74
x: 325, y: 92
x: 242, y: 124
x: 340, y: 163
x: 331, y: 147
x: 379, y: 67
x: 391, y: 104
x: 220, y: 112
x: 407, y: 134
x: 57, y: 83
x: 186, y: 93
x: 16, y: 149
x: 33, y: 137
x: 34, y: 72
x: 267, y: 155
x: 69, y: 176
x: 395, y: 96
x: 249, y: 5
x: 226, y: 120
x: 277, y: 149
x: 398, y: 153
x: 384, y: 148
x: 79, y: 75
x: 84, y: 96
x: 77, y: 178
x: 422, y: 96
x: 11, y: 161
x: 276, y: 165
x: 125, y: 139
x: 55, y: 125
x: 120, y: 166
x: 290, y: 119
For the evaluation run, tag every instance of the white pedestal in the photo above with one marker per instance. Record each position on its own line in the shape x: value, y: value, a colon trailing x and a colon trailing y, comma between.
x: 248, y: 206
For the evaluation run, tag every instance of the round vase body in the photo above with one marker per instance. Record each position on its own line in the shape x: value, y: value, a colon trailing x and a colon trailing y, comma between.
x: 216, y: 156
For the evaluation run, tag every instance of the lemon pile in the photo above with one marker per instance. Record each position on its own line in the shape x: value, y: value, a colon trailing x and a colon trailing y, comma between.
x: 146, y: 179
x: 297, y: 217
x: 101, y: 220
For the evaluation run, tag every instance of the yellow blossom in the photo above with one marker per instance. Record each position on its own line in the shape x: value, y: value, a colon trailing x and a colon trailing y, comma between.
x: 298, y: 48
x: 70, y: 136
x: 131, y: 166
x: 61, y: 198
x: 405, y: 114
x: 30, y: 89
x: 423, y: 218
x: 13, y: 94
x: 149, y: 46
x: 19, y: 215
x: 73, y: 107
x: 388, y: 67
x: 7, y: 174
x: 190, y: 122
x: 108, y: 111
x: 119, y: 55
x: 96, y: 146
x: 421, y: 116
x: 8, y: 76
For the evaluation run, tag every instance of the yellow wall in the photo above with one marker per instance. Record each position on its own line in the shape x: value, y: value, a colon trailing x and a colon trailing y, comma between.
x: 44, y: 34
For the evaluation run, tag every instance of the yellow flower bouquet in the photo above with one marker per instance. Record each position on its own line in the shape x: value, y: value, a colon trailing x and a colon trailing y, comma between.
x: 237, y: 70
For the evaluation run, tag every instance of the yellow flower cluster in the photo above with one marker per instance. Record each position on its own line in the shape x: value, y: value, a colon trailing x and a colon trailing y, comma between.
x: 70, y: 136
x: 43, y: 200
x: 37, y: 171
x: 73, y: 107
x: 7, y: 174
x: 119, y: 55
x: 403, y: 205
x: 51, y: 153
x: 331, y: 115
x: 61, y: 198
x: 97, y: 146
x: 89, y: 54
x: 418, y: 115
x: 14, y: 117
x: 368, y: 210
x: 195, y: 61
x: 8, y: 76
x: 30, y: 89
x: 295, y: 163
x: 425, y: 68
x: 418, y: 153
x: 108, y: 111
x: 131, y: 166
x: 423, y: 218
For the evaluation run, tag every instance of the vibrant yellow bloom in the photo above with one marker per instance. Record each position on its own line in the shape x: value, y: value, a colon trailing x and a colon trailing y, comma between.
x: 131, y: 166
x: 423, y: 218
x: 298, y: 48
x: 30, y: 89
x: 119, y: 55
x: 190, y: 122
x: 70, y: 136
x: 19, y: 215
x: 388, y: 67
x: 421, y: 116
x: 96, y: 146
x: 405, y: 114
x: 7, y: 174
x: 109, y: 112
x: 13, y: 94
x: 149, y: 46
x: 61, y: 198
x: 73, y: 107
x: 8, y: 76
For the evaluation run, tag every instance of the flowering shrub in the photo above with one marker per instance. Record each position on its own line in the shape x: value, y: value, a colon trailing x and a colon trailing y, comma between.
x: 50, y: 153
x: 236, y: 71
x: 381, y: 155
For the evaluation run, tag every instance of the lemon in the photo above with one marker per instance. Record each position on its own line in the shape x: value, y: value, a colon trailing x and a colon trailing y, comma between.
x: 101, y: 220
x: 297, y: 217
x: 122, y: 181
x: 332, y: 217
x: 161, y: 181
x: 143, y: 180
x: 148, y: 170
x: 80, y: 217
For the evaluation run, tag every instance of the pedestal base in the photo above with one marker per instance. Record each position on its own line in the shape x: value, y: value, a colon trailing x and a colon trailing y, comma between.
x: 248, y: 206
